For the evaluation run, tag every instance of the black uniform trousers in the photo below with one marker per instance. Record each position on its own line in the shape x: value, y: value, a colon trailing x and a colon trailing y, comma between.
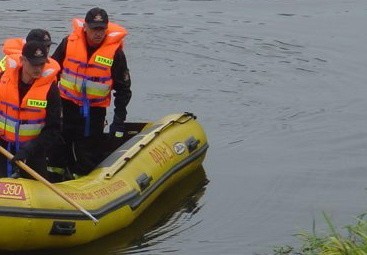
x: 78, y: 152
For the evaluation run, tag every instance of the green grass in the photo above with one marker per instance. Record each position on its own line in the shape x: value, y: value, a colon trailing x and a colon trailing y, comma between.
x: 354, y: 242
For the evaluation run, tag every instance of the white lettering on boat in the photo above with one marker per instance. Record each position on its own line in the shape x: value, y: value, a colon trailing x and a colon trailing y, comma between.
x: 12, y: 191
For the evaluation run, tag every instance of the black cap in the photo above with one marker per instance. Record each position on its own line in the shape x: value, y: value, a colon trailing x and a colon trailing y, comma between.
x: 40, y: 35
x: 35, y: 52
x: 96, y: 17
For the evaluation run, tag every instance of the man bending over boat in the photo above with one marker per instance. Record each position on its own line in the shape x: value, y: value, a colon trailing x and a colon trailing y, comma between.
x: 92, y: 65
x: 30, y: 107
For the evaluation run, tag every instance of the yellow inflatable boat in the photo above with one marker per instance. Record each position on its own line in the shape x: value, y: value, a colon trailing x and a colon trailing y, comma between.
x: 123, y: 185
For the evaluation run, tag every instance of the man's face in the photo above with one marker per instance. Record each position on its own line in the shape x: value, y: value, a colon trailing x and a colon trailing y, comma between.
x: 33, y: 71
x: 95, y: 36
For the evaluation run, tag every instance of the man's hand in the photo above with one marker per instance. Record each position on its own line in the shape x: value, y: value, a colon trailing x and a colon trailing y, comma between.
x: 20, y: 155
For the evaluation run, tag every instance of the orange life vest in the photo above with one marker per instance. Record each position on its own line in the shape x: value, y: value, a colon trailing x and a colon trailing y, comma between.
x: 23, y: 121
x: 11, y: 46
x: 88, y: 82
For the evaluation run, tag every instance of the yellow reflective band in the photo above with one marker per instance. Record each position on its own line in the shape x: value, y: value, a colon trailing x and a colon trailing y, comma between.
x: 119, y: 134
x: 70, y: 85
x: 103, y: 61
x: 56, y: 170
x: 3, y: 64
x: 29, y: 132
x: 7, y: 127
x: 37, y: 103
x: 93, y: 88
x: 24, y: 129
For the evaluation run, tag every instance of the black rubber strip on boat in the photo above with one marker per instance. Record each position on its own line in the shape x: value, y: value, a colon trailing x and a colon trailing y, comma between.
x: 133, y: 199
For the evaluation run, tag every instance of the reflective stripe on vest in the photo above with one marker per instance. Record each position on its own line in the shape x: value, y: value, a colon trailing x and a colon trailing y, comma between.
x: 3, y: 64
x: 93, y: 89
x: 23, y: 128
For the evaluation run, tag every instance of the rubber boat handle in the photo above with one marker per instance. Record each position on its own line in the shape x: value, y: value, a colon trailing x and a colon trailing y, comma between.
x: 143, y: 181
x: 64, y: 228
x: 192, y: 143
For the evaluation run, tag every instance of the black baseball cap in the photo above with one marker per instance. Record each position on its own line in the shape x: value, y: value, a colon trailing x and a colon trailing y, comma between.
x: 96, y: 18
x: 40, y: 35
x: 35, y: 52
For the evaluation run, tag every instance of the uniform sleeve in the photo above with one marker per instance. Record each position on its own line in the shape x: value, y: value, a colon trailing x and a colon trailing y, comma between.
x: 121, y: 87
x: 60, y: 52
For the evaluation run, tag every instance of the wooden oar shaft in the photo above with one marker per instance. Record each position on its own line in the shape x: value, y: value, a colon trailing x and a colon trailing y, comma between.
x: 38, y: 177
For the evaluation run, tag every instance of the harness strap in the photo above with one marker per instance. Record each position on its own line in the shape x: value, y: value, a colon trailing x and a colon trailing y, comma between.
x: 85, y: 108
x: 9, y: 167
x: 101, y: 79
x: 85, y: 65
x: 17, y: 108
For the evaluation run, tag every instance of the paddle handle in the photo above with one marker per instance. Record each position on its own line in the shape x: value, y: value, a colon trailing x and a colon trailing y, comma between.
x: 38, y: 177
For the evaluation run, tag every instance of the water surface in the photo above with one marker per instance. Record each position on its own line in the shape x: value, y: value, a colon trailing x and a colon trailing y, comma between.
x: 280, y: 88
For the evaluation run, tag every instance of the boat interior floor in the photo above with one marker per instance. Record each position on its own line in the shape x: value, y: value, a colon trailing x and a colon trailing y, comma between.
x: 88, y: 154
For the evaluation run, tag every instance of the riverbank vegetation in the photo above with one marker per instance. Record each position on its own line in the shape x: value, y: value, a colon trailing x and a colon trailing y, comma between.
x: 352, y: 241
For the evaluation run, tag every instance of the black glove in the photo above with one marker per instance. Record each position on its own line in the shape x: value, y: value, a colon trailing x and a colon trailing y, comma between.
x: 117, y: 130
x: 22, y: 155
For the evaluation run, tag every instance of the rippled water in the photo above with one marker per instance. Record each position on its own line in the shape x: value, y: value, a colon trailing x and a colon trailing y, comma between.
x: 280, y: 88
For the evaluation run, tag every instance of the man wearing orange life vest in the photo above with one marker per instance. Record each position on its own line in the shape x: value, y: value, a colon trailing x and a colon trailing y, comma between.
x: 15, y: 45
x: 92, y: 65
x: 30, y: 107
